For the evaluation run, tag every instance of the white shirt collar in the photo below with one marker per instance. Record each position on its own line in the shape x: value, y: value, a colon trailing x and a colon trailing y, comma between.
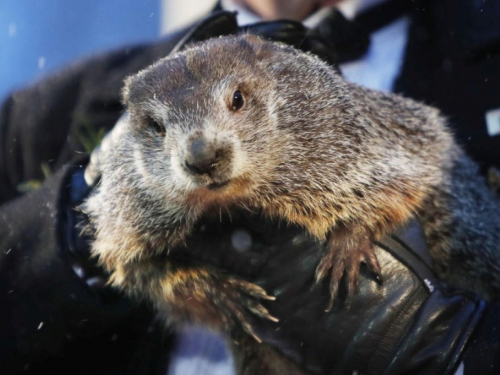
x: 244, y: 16
x: 351, y: 8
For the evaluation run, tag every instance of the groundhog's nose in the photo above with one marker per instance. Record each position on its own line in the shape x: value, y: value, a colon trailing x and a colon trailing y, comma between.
x: 201, y: 157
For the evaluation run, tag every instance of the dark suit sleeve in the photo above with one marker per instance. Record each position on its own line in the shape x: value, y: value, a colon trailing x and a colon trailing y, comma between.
x: 50, y: 320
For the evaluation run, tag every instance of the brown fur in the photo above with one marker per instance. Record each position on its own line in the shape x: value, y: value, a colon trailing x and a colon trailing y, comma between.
x: 346, y: 163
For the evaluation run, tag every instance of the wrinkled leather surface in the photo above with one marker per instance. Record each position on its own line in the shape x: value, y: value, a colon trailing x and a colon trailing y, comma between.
x: 391, y: 327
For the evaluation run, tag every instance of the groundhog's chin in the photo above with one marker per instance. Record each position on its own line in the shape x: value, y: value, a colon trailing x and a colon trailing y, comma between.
x: 218, y: 185
x: 208, y: 182
x: 219, y: 192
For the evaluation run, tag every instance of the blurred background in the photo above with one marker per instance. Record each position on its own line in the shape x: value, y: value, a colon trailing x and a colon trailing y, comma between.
x: 39, y: 36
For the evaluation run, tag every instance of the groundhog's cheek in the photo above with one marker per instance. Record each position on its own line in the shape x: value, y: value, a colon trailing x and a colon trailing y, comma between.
x: 242, y: 163
x: 180, y: 179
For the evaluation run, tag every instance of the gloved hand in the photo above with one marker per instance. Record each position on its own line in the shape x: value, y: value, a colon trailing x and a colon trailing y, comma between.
x: 76, y: 237
x: 409, y: 323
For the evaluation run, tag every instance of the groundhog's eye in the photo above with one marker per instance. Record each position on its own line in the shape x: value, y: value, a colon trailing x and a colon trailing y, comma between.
x: 156, y: 126
x: 238, y: 101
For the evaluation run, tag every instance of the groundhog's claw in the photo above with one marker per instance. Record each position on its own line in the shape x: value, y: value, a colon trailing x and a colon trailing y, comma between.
x: 345, y: 251
x: 240, y: 299
x: 251, y: 289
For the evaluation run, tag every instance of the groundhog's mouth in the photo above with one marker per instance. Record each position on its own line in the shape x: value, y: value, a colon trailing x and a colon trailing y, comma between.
x: 217, y: 185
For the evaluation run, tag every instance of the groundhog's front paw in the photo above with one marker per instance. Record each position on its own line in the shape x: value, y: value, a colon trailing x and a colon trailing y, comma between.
x: 199, y: 295
x: 236, y: 300
x: 346, y: 249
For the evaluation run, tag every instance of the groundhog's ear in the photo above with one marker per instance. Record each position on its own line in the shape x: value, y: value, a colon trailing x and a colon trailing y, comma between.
x: 253, y: 39
x: 265, y: 50
x: 125, y: 97
x: 251, y: 42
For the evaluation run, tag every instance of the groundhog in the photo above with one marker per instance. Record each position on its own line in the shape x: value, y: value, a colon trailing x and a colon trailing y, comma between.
x: 238, y: 122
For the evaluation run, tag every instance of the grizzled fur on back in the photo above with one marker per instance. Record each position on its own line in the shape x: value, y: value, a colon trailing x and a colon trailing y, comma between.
x: 307, y: 147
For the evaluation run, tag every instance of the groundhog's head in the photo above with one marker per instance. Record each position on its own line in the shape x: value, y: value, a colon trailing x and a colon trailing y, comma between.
x: 213, y: 119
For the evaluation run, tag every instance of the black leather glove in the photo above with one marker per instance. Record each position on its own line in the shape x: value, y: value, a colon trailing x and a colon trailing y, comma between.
x: 76, y: 239
x: 409, y: 323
